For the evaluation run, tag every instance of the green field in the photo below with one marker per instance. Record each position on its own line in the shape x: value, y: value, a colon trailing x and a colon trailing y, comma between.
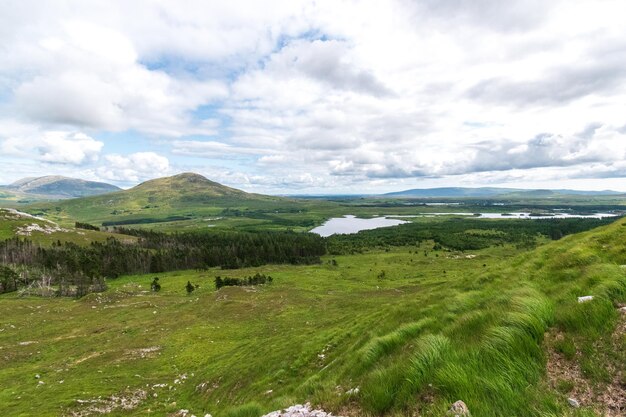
x: 413, y: 333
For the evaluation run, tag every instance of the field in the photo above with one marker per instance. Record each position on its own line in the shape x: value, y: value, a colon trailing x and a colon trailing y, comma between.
x: 414, y: 329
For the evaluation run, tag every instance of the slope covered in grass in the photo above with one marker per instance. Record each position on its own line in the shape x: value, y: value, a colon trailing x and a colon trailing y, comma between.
x: 14, y: 223
x: 481, y: 326
x: 186, y: 200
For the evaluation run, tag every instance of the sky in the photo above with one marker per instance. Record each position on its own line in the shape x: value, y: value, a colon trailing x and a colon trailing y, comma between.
x: 316, y: 97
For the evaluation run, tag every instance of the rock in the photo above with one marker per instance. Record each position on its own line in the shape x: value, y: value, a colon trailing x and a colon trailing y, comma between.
x: 299, y: 411
x: 585, y: 298
x: 459, y: 409
x: 573, y: 402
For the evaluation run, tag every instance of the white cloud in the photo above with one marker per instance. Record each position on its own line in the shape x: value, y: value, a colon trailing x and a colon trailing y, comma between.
x: 89, y: 76
x: 73, y: 148
x: 337, y: 93
x: 135, y: 167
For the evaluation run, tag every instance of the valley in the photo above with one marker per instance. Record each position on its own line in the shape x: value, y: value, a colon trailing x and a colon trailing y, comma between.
x: 392, y: 321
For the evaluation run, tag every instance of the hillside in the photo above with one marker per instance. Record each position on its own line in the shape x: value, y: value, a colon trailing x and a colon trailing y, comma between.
x: 14, y: 223
x: 54, y: 186
x: 184, y: 200
x: 398, y: 332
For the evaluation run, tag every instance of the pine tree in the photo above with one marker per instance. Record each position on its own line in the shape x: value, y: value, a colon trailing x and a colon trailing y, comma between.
x: 189, y: 287
x: 155, y: 286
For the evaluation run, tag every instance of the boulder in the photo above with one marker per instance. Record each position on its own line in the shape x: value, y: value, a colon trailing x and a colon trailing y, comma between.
x: 458, y: 409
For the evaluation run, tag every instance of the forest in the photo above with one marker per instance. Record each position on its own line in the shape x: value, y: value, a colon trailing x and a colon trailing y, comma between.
x: 463, y: 233
x: 85, y: 266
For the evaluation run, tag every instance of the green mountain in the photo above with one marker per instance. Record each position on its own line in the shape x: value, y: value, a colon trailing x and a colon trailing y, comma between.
x: 55, y: 186
x: 181, y: 198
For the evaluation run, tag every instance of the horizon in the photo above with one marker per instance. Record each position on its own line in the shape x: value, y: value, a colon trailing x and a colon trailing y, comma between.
x: 317, y: 97
x: 355, y: 194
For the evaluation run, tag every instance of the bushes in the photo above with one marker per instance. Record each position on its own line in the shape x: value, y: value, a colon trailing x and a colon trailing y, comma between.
x: 86, y: 226
x: 256, y: 279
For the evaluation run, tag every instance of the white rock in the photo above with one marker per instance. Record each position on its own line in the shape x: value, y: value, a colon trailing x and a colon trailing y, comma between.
x: 573, y: 402
x: 585, y: 298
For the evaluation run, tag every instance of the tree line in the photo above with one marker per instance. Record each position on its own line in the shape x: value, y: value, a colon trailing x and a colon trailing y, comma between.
x: 155, y: 252
x: 463, y: 233
x: 256, y: 279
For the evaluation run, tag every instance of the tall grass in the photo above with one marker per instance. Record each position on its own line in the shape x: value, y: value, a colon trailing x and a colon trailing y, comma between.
x: 246, y: 410
x: 383, y: 345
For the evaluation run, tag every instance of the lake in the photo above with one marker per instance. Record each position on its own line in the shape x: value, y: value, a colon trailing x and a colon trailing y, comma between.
x: 513, y: 215
x: 352, y: 224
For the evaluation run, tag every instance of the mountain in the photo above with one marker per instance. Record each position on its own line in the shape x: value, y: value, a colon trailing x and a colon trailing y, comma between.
x: 451, y: 192
x: 59, y: 187
x: 186, y: 196
x: 187, y: 184
x: 491, y: 192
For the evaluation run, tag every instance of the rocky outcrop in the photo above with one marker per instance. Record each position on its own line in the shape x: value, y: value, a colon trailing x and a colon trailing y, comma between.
x: 458, y: 409
x: 299, y: 411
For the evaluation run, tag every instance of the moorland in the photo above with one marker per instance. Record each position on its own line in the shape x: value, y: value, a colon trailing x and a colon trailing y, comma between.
x: 184, y: 294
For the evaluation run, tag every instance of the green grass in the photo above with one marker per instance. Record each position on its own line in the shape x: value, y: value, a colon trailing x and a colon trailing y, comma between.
x: 418, y: 339
x: 10, y: 224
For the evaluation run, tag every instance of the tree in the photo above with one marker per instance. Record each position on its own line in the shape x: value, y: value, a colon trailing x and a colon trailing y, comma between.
x: 8, y: 279
x: 155, y: 286
x: 219, y: 283
x: 189, y: 287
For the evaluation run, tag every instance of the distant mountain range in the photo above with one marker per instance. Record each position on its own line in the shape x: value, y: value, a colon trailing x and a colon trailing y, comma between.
x: 58, y: 187
x: 491, y: 192
x: 190, y: 188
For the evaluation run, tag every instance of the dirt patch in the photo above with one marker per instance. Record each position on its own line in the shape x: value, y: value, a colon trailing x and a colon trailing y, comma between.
x: 563, y: 374
x: 128, y: 400
x: 86, y: 358
x: 142, y: 353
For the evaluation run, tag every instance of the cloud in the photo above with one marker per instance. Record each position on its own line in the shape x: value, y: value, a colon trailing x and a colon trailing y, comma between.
x: 57, y: 147
x: 132, y: 168
x: 340, y: 94
x: 90, y: 76
x: 516, y: 15
x: 212, y: 149
x: 557, y: 86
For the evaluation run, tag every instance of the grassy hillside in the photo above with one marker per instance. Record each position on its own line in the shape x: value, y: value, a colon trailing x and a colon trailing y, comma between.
x: 498, y: 328
x: 13, y: 198
x: 17, y: 224
x: 185, y: 201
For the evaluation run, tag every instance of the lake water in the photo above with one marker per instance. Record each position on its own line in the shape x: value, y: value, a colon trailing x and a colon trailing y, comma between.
x: 513, y: 215
x: 353, y: 224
